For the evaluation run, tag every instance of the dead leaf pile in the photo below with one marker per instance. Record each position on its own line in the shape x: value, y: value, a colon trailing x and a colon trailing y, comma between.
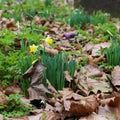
x: 90, y: 96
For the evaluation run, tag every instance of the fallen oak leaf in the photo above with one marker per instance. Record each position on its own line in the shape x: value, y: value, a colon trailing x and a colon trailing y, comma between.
x: 12, y: 90
x: 111, y: 107
x: 92, y: 70
x: 52, y: 51
x: 67, y: 76
x: 1, y: 117
x: 50, y: 87
x: 77, y: 105
x: 36, y: 90
x: 21, y: 118
x: 11, y: 23
x: 116, y: 76
x: 95, y: 116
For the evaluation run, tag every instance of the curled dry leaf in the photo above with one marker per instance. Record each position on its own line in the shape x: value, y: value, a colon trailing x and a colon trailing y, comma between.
x: 80, y: 82
x: 88, y: 85
x: 98, y: 47
x: 95, y: 60
x: 116, y: 76
x: 59, y: 107
x: 47, y: 114
x: 65, y: 43
x: 77, y: 105
x: 40, y: 21
x: 52, y: 51
x: 13, y: 90
x: 51, y: 88
x: 11, y: 23
x: 37, y: 90
x: 88, y: 47
x: 35, y: 117
x: 94, y: 48
x: 111, y: 108
x: 67, y: 76
x: 92, y: 70
x: 21, y: 118
x: 1, y: 117
x: 95, y: 116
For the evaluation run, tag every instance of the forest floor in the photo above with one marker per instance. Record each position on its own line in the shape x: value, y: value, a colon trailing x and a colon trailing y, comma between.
x: 57, y: 62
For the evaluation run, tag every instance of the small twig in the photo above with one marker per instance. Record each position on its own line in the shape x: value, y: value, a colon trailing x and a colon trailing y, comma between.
x: 113, y: 87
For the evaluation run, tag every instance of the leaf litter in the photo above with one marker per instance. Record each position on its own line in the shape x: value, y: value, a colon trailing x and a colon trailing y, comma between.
x: 93, y: 99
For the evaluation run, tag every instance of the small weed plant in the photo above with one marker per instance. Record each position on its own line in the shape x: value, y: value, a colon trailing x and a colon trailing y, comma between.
x: 15, y: 107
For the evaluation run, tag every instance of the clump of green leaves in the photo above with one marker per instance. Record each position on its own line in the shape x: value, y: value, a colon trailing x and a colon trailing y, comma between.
x: 99, y: 18
x: 103, y: 32
x: 7, y: 38
x: 48, y: 3
x: 112, y: 53
x: 79, y: 18
x: 56, y: 65
x: 8, y: 68
x: 15, y: 107
x: 25, y: 62
x: 105, y: 29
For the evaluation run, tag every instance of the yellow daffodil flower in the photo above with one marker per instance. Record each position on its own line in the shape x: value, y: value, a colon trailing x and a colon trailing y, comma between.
x: 49, y: 40
x: 33, y: 48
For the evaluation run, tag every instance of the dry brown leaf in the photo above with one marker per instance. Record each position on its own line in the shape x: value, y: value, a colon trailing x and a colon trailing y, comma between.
x: 67, y: 76
x: 95, y: 60
x: 21, y: 118
x: 88, y: 47
x: 11, y: 23
x: 51, y: 88
x: 93, y: 49
x: 52, y: 116
x: 37, y: 90
x: 52, y: 51
x: 92, y: 70
x: 77, y: 105
x: 110, y: 108
x: 13, y: 90
x: 80, y: 82
x: 40, y: 21
x: 96, y: 86
x: 95, y: 116
x: 59, y: 107
x: 65, y: 43
x: 54, y: 30
x: 44, y: 114
x: 35, y: 117
x: 98, y: 47
x: 116, y: 76
x: 88, y: 85
x: 1, y: 117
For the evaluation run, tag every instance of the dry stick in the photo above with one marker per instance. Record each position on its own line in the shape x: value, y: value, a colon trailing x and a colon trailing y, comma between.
x: 111, y: 84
